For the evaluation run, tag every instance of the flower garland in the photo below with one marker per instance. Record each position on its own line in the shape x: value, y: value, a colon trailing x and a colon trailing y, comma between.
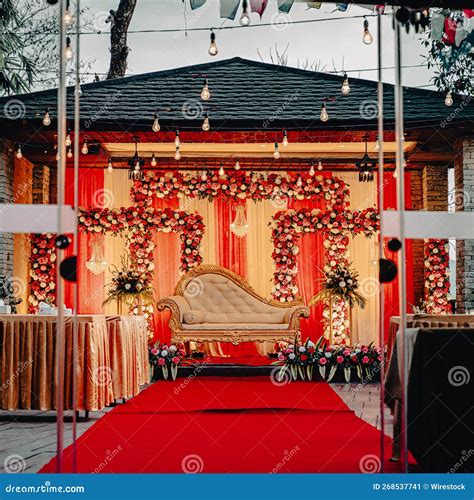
x: 237, y: 185
x: 42, y: 271
x: 437, y: 277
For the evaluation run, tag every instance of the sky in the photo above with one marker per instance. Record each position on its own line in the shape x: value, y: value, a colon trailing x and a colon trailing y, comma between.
x: 333, y: 45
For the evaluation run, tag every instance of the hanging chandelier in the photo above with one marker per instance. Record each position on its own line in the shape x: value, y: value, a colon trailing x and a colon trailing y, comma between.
x: 366, y: 166
x: 240, y: 226
x: 97, y: 263
x: 135, y: 172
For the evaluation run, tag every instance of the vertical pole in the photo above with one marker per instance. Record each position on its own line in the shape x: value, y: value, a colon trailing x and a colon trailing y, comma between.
x: 76, y: 243
x: 381, y: 252
x: 61, y: 167
x: 400, y: 161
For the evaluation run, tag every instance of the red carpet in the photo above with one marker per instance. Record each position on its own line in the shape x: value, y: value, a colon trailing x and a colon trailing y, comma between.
x: 228, y: 425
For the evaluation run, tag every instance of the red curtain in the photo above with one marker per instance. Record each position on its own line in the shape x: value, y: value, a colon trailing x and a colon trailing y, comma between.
x: 90, y: 287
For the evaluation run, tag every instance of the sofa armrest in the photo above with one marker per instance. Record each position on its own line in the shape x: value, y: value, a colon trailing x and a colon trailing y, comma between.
x: 178, y: 306
x: 293, y: 316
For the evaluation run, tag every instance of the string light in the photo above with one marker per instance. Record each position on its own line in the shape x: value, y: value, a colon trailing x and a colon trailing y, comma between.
x: 46, y: 118
x: 285, y: 139
x: 110, y: 166
x: 153, y: 160
x: 367, y: 37
x: 67, y: 15
x: 276, y: 153
x: 237, y: 165
x: 244, y: 18
x: 205, y: 94
x: 156, y: 124
x: 68, y: 141
x: 206, y: 126
x: 177, y: 155
x: 69, y: 152
x: 213, y: 50
x: 320, y: 165
x: 311, y: 170
x: 204, y: 175
x: 324, y: 117
x: 18, y: 153
x: 85, y: 147
x: 345, y: 89
x: 377, y: 144
x: 449, y: 99
x: 177, y: 141
x: 68, y: 52
x: 221, y: 171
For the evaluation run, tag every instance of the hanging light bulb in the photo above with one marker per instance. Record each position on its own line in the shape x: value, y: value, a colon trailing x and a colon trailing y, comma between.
x: 177, y: 142
x: 244, y: 18
x: 205, y: 94
x: 324, y: 117
x: 69, y: 152
x: 177, y: 155
x: 68, y: 141
x: 311, y: 170
x: 156, y: 124
x: 110, y: 166
x: 285, y: 139
x: 237, y: 165
x: 276, y: 153
x: 222, y: 171
x: 345, y: 89
x: 299, y: 182
x: 320, y: 165
x: 206, y: 126
x: 367, y: 37
x: 46, y: 118
x: 85, y: 148
x: 213, y: 47
x: 377, y: 145
x: 395, y: 173
x: 68, y: 52
x: 153, y: 160
x: 18, y: 153
x: 68, y: 18
x: 204, y: 175
x: 449, y: 99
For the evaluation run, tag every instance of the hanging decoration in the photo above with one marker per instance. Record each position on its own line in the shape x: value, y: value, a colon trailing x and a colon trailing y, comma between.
x: 97, y: 263
x: 366, y: 166
x: 437, y: 277
x: 239, y: 226
x: 42, y: 271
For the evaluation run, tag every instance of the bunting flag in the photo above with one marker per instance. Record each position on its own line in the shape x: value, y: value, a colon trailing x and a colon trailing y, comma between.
x: 285, y: 5
x: 437, y: 25
x: 342, y: 6
x: 195, y: 4
x: 313, y: 5
x: 228, y: 8
x: 258, y: 6
x: 465, y: 28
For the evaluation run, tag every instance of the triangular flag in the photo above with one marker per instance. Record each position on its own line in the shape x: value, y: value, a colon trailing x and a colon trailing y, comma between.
x: 465, y: 27
x: 313, y: 5
x: 285, y: 5
x: 450, y: 28
x: 342, y: 6
x: 437, y: 25
x: 195, y: 4
x: 258, y: 6
x: 229, y: 8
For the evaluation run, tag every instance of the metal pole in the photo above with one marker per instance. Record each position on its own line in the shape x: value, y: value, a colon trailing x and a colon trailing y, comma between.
x: 401, y: 262
x: 381, y: 252
x: 61, y: 166
x: 76, y: 243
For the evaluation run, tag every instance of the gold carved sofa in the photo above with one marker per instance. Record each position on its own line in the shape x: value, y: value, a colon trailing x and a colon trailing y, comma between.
x: 211, y: 303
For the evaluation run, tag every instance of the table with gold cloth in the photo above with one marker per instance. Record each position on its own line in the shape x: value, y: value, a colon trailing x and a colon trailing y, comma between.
x: 27, y: 361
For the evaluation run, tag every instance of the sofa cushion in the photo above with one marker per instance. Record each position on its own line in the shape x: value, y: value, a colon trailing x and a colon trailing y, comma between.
x: 236, y: 326
x: 193, y: 316
x: 222, y: 301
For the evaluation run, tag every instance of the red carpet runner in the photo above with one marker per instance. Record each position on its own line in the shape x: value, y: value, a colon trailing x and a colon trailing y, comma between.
x: 214, y: 424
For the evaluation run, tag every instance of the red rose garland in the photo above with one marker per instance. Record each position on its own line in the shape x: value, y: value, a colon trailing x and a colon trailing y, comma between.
x: 437, y: 276
x: 42, y: 271
x: 237, y: 185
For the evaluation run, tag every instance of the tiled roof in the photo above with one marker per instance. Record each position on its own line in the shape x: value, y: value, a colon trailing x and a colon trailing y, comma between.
x: 245, y: 95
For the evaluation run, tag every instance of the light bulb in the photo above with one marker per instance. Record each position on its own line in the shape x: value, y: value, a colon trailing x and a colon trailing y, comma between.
x: 206, y: 126
x: 244, y: 18
x: 299, y: 182
x: 395, y: 173
x: 205, y: 94
x: 68, y: 18
x: 345, y: 89
x: 324, y: 117
x: 137, y: 165
x: 276, y: 153
x: 57, y: 157
x: 68, y: 52
x: 46, y: 118
x: 69, y: 153
x: 68, y: 141
x: 449, y: 99
x: 85, y: 148
x: 110, y: 166
x: 204, y: 176
x: 377, y: 145
x: 285, y: 139
x: 19, y: 154
x: 177, y: 142
x: 237, y: 165
x: 156, y: 124
x: 221, y: 171
x: 367, y: 37
x: 153, y: 160
x: 177, y: 155
x: 320, y: 165
x: 311, y: 170
x: 213, y: 47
